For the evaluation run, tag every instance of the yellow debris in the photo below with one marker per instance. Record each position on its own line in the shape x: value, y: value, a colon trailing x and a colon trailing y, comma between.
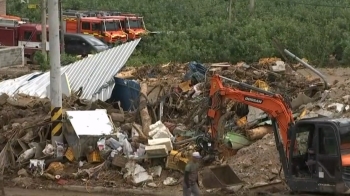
x: 242, y: 121
x: 176, y: 161
x: 185, y: 86
x: 268, y: 61
x: 303, y: 113
x: 261, y: 84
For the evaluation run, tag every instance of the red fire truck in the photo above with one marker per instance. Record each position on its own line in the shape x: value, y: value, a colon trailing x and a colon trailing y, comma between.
x: 18, y: 33
x: 14, y: 32
x: 132, y: 24
x: 108, y: 30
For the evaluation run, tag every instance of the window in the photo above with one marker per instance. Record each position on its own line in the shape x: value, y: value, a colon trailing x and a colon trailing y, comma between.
x: 345, y: 139
x: 85, y: 25
x: 82, y: 42
x: 123, y: 24
x: 134, y: 24
x: 94, y: 41
x: 304, y: 136
x: 302, y: 141
x: 96, y: 26
x: 67, y: 40
x: 39, y: 36
x: 71, y: 41
x: 327, y: 143
x: 111, y: 25
x: 28, y: 35
x: 77, y: 41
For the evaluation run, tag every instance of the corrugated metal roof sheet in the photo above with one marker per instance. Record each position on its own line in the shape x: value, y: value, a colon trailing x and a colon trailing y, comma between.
x: 99, y: 69
x: 37, y: 86
x: 12, y: 86
x: 94, y: 74
x: 105, y: 91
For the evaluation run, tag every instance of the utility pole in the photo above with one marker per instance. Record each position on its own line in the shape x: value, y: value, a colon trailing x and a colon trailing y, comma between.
x: 251, y: 7
x: 230, y: 11
x: 63, y: 29
x: 55, y: 75
x: 43, y: 29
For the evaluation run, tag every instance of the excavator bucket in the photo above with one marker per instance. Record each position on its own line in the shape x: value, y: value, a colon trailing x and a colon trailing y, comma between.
x: 219, y: 177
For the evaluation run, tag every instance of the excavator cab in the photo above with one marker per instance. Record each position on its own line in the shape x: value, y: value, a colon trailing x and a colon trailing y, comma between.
x: 321, y: 163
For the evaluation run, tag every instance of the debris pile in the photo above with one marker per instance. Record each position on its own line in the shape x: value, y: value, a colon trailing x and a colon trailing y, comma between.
x: 152, y: 123
x: 262, y: 168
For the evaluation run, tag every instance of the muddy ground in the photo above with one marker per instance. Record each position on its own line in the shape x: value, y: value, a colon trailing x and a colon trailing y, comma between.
x: 16, y: 71
x: 43, y: 192
x: 26, y: 192
x: 255, y: 164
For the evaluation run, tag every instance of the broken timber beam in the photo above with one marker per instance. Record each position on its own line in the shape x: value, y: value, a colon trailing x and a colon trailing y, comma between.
x: 145, y: 117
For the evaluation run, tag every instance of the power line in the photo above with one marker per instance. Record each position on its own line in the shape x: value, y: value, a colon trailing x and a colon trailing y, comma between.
x: 230, y: 11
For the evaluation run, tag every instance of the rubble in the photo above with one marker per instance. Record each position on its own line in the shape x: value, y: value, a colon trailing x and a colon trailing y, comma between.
x: 136, y: 174
x: 258, y: 163
x: 139, y: 143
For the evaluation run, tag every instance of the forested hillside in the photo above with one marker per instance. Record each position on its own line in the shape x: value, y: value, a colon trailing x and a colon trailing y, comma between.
x: 200, y: 29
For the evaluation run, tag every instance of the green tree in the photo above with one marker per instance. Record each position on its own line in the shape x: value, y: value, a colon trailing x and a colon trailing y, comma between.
x: 199, y: 29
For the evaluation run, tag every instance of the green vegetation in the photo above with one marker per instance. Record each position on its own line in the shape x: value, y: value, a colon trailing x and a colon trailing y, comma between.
x: 199, y: 29
x: 44, y: 61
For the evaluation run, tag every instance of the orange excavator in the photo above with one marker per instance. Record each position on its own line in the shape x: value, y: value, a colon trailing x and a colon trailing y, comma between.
x: 320, y: 164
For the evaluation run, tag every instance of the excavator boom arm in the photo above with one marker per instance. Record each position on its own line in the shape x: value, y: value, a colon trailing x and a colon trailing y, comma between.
x: 273, y: 104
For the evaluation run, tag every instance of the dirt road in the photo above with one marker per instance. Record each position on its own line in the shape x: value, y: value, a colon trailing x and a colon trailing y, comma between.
x: 41, y: 192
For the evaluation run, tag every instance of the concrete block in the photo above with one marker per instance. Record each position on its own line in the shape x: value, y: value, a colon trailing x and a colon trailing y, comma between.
x: 279, y: 67
x: 11, y: 56
x: 140, y: 177
x: 161, y: 141
x: 158, y: 150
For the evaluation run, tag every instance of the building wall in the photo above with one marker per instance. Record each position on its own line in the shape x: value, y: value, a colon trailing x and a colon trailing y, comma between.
x: 11, y: 56
x: 3, y: 7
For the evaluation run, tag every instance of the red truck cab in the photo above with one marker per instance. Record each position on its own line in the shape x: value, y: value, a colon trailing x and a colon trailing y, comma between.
x: 17, y: 33
x: 134, y: 26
